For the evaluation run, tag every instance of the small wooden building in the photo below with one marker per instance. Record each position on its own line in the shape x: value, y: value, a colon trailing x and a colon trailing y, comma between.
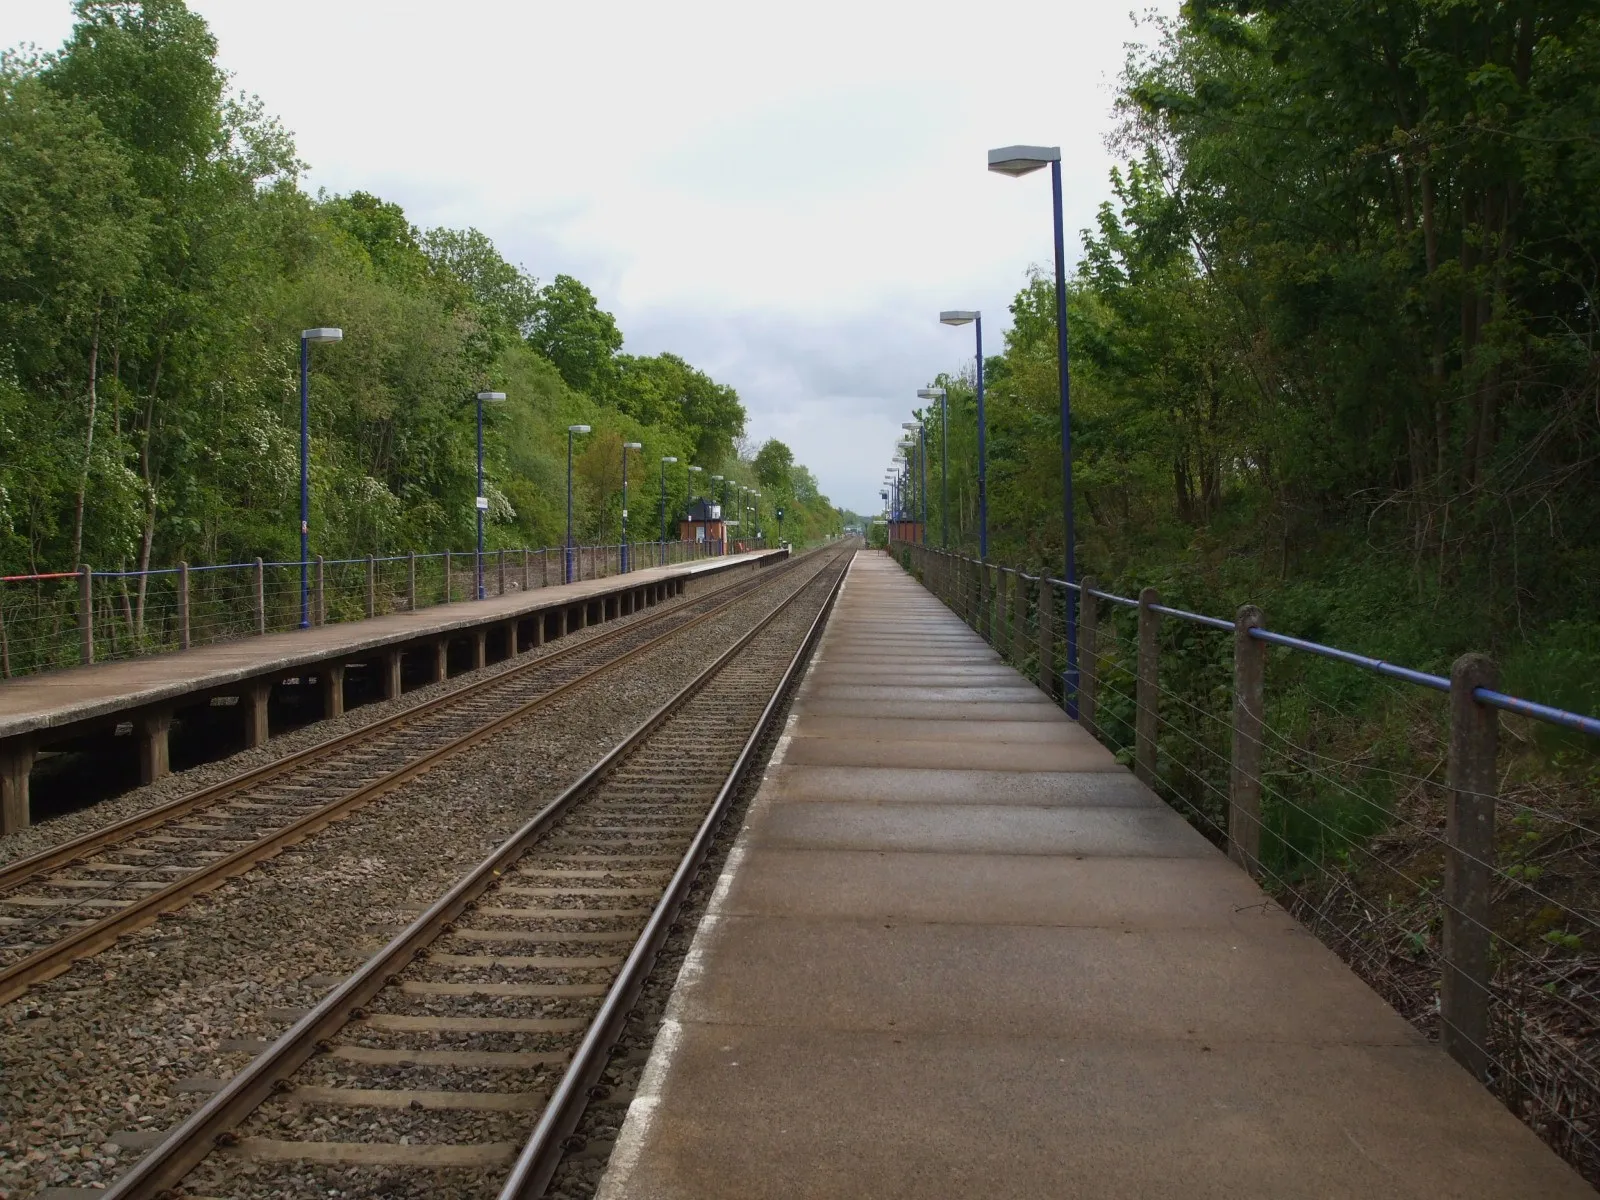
x: 703, y: 523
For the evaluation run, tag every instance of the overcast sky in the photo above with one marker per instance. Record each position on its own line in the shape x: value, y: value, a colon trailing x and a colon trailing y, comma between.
x: 785, y: 195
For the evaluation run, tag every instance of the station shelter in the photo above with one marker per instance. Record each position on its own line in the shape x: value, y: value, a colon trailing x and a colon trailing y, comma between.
x: 905, y: 531
x: 703, y: 522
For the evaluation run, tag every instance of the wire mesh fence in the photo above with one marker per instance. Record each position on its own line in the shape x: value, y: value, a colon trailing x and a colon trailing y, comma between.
x: 51, y: 621
x: 1417, y: 828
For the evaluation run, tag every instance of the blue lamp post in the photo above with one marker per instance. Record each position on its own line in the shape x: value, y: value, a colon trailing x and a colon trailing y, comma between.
x: 307, y: 337
x: 626, y: 446
x: 665, y: 459
x: 571, y: 429
x: 922, y: 469
x: 974, y: 318
x: 482, y: 503
x: 944, y: 461
x: 1023, y: 160
x: 723, y: 510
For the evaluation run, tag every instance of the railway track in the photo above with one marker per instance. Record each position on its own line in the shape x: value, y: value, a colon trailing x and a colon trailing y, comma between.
x: 73, y: 900
x: 495, y: 1011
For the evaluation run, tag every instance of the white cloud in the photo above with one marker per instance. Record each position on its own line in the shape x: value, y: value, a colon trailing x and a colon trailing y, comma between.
x: 786, y: 196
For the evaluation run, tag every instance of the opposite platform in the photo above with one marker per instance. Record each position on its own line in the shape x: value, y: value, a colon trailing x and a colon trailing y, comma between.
x: 959, y: 951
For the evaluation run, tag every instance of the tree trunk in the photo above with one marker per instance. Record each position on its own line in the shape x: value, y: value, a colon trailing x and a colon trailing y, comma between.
x: 88, y: 442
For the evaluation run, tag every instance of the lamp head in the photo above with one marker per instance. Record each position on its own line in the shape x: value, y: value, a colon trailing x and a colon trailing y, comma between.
x: 491, y: 397
x: 697, y: 468
x: 669, y: 458
x: 1021, y: 160
x: 633, y: 445
x: 930, y: 393
x: 959, y: 316
x: 716, y: 479
x: 909, y: 425
x: 577, y: 429
x: 321, y: 335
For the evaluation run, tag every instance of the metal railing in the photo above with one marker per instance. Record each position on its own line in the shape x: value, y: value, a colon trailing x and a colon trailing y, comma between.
x: 1454, y: 882
x: 64, y: 618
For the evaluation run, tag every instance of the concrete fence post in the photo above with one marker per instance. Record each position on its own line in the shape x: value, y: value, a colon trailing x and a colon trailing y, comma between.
x: 447, y: 577
x: 183, y: 605
x: 261, y: 597
x: 527, y: 570
x: 1464, y: 993
x: 503, y: 576
x: 85, y: 614
x: 999, y: 611
x: 321, y: 617
x: 411, y: 583
x: 1088, y: 654
x: 1147, y: 691
x: 1244, y: 764
x: 1046, y: 608
x: 372, y: 586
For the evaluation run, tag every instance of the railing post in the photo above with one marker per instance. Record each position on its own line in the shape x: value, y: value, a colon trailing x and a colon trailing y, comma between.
x: 447, y: 577
x: 261, y: 597
x: 1019, y: 619
x: 85, y: 614
x: 372, y: 586
x: 1046, y: 608
x: 527, y: 571
x: 1244, y: 766
x: 1468, y: 865
x: 1144, y: 730
x: 503, y: 577
x: 1088, y: 654
x: 183, y: 605
x: 322, y: 594
x: 411, y: 583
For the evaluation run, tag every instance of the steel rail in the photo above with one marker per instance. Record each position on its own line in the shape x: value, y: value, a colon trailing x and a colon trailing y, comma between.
x: 88, y: 940
x: 13, y: 874
x: 212, y: 1124
x: 542, y: 1154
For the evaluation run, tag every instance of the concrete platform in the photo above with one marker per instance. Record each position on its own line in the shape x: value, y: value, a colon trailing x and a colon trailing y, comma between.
x: 38, y: 710
x: 959, y: 952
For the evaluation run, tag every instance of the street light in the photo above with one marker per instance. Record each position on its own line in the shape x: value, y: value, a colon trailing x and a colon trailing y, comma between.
x: 757, y: 495
x: 571, y: 429
x: 482, y: 501
x: 974, y: 318
x: 665, y: 459
x: 944, y: 461
x: 307, y: 337
x: 1017, y: 161
x: 626, y: 446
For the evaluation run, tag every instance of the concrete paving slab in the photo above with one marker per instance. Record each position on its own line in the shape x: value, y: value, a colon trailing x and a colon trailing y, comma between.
x: 980, y: 829
x: 756, y: 1113
x: 1273, y: 983
x: 1022, y: 692
x: 938, y: 710
x: 1004, y: 889
x: 792, y: 783
x: 950, y: 674
x: 903, y: 730
x: 965, y: 755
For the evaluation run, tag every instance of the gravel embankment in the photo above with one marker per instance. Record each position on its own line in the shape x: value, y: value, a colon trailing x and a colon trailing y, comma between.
x: 93, y: 1063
